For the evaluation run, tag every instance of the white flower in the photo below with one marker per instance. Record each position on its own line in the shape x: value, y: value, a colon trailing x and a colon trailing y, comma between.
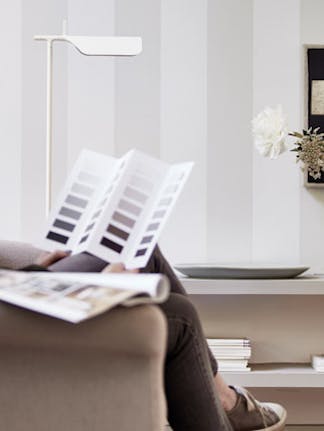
x: 270, y: 132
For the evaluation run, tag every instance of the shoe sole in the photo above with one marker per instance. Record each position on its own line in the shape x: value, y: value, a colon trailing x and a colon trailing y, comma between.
x: 282, y: 414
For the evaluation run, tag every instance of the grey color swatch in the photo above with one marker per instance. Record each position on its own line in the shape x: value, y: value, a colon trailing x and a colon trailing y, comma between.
x: 118, y: 232
x: 147, y: 239
x: 70, y: 213
x: 129, y: 207
x: 159, y: 214
x: 82, y: 189
x: 57, y: 237
x: 135, y: 195
x: 64, y: 225
x: 78, y: 202
x: 121, y: 218
x: 88, y: 178
x: 153, y: 226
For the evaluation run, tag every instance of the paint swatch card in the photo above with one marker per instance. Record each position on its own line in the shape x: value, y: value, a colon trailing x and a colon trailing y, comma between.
x: 115, y: 208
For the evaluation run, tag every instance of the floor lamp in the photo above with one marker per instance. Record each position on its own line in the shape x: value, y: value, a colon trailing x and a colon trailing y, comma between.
x: 87, y: 45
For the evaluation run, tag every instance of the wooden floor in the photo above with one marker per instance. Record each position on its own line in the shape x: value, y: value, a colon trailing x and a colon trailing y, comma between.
x: 305, y: 428
x: 291, y: 428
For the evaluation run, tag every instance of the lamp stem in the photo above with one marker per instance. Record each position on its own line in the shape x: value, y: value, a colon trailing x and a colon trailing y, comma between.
x: 64, y: 26
x: 49, y: 95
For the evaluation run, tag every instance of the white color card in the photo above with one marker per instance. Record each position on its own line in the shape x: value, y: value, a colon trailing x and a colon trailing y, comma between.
x: 115, y: 208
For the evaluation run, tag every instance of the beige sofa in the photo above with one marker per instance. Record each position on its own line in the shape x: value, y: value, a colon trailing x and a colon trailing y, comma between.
x: 102, y: 374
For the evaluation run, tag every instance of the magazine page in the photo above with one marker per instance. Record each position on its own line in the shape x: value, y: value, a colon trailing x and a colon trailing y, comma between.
x: 78, y: 296
x: 84, y: 188
x: 136, y: 213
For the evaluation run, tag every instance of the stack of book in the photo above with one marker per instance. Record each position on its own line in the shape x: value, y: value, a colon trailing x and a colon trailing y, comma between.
x: 232, y: 354
x: 318, y: 363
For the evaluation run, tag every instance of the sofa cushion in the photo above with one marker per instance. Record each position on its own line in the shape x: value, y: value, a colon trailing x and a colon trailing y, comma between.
x: 14, y: 254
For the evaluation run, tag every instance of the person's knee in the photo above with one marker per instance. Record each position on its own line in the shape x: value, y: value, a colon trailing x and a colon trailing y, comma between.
x: 181, y: 307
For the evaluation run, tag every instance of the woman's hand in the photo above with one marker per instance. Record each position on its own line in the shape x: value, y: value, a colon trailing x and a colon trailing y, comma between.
x: 119, y: 267
x: 48, y: 258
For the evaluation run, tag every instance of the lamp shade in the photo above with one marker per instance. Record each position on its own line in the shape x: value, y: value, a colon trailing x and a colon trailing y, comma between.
x: 117, y: 46
x: 96, y: 45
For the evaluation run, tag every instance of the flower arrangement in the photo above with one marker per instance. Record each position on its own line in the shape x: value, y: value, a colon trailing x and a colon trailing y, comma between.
x: 270, y: 134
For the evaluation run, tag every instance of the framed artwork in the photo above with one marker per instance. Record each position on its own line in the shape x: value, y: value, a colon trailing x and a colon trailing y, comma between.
x: 314, y: 97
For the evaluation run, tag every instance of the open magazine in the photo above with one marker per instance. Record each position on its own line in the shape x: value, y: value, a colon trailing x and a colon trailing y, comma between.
x: 78, y: 296
x: 115, y: 208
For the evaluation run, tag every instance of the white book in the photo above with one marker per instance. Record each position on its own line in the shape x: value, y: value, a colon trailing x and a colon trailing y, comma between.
x: 78, y: 296
x: 318, y: 362
x: 243, y: 351
x: 115, y: 208
x: 222, y: 357
x: 237, y: 370
x: 241, y: 363
x: 228, y: 341
x: 234, y: 349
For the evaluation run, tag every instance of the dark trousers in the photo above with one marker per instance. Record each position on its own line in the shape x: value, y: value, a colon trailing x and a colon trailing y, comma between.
x: 193, y: 404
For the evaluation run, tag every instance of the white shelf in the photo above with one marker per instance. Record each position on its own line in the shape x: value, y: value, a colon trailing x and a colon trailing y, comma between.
x: 277, y: 375
x: 292, y: 286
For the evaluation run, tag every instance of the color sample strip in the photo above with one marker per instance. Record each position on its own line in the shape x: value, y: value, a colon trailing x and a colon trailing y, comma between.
x: 141, y: 252
x: 80, y: 189
x: 117, y: 232
x: 70, y: 213
x: 181, y: 176
x: 141, y: 183
x: 64, y: 225
x: 165, y: 201
x: 84, y: 239
x: 129, y: 207
x: 147, y: 239
x: 89, y: 227
x: 97, y: 214
x: 116, y: 175
x: 159, y: 214
x: 103, y: 202
x: 78, y: 202
x: 153, y: 226
x: 123, y: 219
x: 109, y: 190
x: 111, y: 244
x: 57, y: 237
x: 135, y: 195
x: 171, y: 189
x: 88, y: 178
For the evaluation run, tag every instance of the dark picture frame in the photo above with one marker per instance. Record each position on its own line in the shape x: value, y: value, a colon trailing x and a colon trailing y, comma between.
x: 314, y: 97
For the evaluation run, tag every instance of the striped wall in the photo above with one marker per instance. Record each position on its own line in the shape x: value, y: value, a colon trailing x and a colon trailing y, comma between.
x: 207, y: 67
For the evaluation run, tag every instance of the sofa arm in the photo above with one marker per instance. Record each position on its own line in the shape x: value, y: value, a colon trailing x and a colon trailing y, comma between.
x: 123, y: 329
x: 14, y: 254
x: 105, y: 373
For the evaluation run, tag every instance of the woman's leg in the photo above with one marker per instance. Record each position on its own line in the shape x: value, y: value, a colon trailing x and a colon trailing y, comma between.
x: 158, y: 264
x: 189, y: 383
x: 244, y: 412
x: 83, y: 262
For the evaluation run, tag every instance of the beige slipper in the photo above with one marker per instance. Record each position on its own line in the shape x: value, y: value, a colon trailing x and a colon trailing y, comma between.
x: 248, y: 414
